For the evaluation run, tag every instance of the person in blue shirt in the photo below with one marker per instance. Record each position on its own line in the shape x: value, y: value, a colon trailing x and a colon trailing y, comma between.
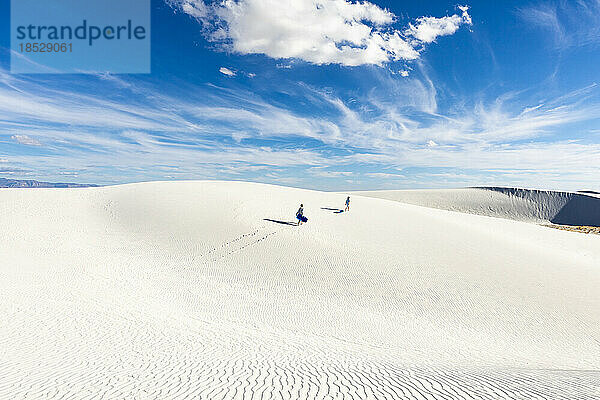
x: 347, y: 204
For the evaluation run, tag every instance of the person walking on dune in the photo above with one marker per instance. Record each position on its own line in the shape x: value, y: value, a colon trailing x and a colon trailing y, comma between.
x: 300, y: 215
x: 347, y: 204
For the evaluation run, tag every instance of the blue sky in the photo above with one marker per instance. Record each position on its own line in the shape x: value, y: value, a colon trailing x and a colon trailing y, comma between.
x: 325, y: 94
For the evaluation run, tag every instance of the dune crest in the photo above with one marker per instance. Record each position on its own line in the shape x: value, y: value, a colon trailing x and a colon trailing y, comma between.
x: 540, y: 206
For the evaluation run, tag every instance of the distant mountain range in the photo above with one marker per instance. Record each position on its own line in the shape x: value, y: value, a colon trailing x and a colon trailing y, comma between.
x: 15, y: 183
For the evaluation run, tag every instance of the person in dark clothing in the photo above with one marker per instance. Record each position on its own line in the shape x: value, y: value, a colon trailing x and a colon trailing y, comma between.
x: 300, y: 215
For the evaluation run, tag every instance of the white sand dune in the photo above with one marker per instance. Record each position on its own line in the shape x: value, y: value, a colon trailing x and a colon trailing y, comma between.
x: 565, y: 208
x: 185, y: 290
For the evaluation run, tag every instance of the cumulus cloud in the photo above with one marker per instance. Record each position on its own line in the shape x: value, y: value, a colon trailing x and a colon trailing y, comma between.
x: 26, y: 140
x: 226, y: 71
x: 428, y: 29
x: 195, y: 8
x: 318, y: 31
x: 465, y: 14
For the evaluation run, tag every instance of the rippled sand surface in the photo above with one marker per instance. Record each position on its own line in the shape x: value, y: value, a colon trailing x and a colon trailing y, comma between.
x: 204, y: 290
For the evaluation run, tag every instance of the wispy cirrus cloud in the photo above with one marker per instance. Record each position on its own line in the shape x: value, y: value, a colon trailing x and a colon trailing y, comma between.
x: 26, y: 140
x: 324, y: 173
x: 320, y: 32
x: 237, y: 134
x: 570, y: 23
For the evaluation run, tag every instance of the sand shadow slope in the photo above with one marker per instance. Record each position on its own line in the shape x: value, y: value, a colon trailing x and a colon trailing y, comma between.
x: 529, y: 205
x: 579, y: 210
x: 563, y: 208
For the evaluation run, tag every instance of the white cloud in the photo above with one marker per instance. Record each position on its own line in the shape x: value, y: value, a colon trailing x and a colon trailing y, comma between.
x: 546, y: 17
x: 226, y: 71
x: 569, y: 23
x: 193, y: 131
x: 318, y: 31
x: 195, y: 8
x: 465, y: 14
x: 385, y: 175
x: 428, y: 29
x: 26, y: 140
x: 318, y: 171
x: 403, y: 73
x: 530, y: 109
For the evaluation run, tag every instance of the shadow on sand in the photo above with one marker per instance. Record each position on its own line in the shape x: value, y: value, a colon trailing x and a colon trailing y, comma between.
x: 577, y: 209
x: 335, y: 210
x: 280, y: 222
